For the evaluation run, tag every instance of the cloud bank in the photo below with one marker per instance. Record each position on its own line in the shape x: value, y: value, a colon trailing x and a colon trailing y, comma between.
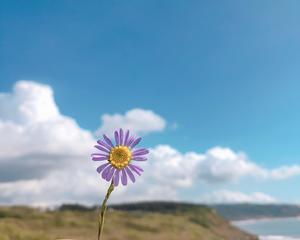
x: 45, y: 157
x: 226, y: 196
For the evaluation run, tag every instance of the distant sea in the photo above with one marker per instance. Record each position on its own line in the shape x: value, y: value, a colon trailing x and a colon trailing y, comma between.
x: 272, y: 229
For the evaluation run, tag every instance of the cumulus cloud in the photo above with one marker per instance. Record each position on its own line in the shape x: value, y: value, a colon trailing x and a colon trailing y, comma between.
x: 44, y: 155
x: 226, y: 196
x: 35, y: 136
x: 71, y: 185
x: 140, y: 121
x: 216, y: 165
x: 173, y: 168
x: 223, y: 164
x: 29, y: 102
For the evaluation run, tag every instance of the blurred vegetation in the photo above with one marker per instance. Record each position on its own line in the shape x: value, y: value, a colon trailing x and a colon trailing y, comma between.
x: 254, y: 211
x: 155, y: 221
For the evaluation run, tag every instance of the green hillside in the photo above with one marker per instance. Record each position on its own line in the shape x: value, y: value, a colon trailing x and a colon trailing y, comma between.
x: 175, y: 222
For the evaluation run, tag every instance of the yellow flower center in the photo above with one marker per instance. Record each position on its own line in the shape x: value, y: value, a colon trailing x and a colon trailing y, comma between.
x: 120, y: 156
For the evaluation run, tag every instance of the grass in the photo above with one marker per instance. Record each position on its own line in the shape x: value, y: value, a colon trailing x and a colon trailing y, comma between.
x: 22, y: 223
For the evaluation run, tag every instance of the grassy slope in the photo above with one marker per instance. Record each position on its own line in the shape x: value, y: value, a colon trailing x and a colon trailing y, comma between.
x: 18, y: 223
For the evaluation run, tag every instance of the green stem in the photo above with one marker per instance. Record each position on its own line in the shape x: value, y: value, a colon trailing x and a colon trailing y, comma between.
x: 103, y: 209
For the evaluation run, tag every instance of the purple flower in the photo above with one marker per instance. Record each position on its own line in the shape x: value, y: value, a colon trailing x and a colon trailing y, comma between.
x: 118, y: 158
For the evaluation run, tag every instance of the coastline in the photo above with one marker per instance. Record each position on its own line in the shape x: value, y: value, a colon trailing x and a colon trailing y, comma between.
x: 242, y: 223
x: 262, y: 219
x: 277, y: 238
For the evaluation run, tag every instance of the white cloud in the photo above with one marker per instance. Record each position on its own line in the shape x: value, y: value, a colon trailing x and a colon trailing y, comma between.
x: 170, y: 167
x: 45, y: 155
x: 69, y: 185
x: 226, y: 196
x: 29, y: 102
x: 216, y: 165
x: 35, y: 137
x: 283, y: 172
x: 138, y: 120
x: 223, y: 165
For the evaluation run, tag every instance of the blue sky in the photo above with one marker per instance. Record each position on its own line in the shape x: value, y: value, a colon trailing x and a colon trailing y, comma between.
x: 226, y: 74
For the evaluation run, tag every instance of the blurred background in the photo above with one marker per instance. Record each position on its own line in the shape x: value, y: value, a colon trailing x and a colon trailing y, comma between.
x: 212, y: 87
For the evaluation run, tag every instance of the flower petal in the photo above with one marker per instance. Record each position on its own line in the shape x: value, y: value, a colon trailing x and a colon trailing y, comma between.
x: 106, y: 172
x: 135, y: 170
x: 99, y: 158
x: 101, y: 148
x: 110, y: 174
x: 121, y: 136
x: 139, y: 154
x: 130, y: 140
x: 101, y: 167
x: 116, y: 177
x: 136, y: 142
x: 136, y: 167
x: 124, y: 177
x: 99, y: 154
x: 117, y: 139
x: 103, y: 144
x: 141, y: 151
x: 126, y: 137
x: 139, y: 158
x: 107, y: 140
x: 130, y: 174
